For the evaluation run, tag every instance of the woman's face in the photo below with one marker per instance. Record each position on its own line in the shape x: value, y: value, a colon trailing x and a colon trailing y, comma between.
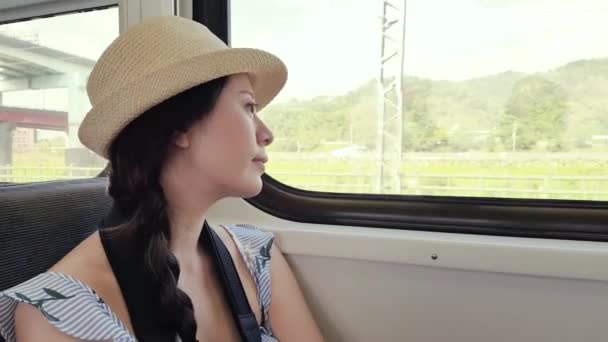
x: 224, y: 154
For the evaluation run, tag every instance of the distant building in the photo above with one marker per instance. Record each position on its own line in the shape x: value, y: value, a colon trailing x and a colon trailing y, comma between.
x: 24, y: 139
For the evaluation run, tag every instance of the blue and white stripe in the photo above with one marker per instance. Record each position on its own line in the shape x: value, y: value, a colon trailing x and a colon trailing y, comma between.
x: 83, y: 315
x: 250, y: 241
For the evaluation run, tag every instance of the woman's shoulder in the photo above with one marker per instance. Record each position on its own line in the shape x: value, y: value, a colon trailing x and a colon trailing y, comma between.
x: 89, y: 263
x: 58, y: 305
x: 253, y: 243
x: 84, y: 260
x: 249, y: 234
x: 69, y: 297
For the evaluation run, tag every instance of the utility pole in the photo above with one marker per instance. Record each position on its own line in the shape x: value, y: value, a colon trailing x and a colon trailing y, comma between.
x: 390, y: 97
x: 514, y: 137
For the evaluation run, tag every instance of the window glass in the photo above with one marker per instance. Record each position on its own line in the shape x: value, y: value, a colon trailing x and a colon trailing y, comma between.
x: 44, y: 65
x: 487, y: 98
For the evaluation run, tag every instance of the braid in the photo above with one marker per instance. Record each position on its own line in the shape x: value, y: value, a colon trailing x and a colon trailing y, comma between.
x: 149, y: 227
x: 162, y: 263
x: 137, y: 156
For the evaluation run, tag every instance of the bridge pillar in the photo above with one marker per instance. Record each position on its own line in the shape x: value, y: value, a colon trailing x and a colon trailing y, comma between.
x: 6, y: 143
x: 78, y: 105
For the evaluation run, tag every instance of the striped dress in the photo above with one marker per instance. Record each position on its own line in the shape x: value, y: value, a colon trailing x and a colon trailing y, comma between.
x: 76, y: 310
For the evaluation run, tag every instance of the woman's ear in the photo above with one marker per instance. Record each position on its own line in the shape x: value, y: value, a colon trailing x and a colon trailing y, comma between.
x: 181, y: 139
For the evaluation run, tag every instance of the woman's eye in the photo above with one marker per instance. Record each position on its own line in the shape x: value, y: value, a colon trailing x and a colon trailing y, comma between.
x: 252, y: 107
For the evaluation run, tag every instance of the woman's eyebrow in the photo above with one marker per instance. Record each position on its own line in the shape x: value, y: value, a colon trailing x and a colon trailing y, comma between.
x: 247, y: 92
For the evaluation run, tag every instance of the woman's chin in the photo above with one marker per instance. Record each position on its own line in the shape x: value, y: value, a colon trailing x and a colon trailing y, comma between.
x: 252, y: 189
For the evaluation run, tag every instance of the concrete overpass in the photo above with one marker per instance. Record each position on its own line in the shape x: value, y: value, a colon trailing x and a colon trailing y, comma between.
x: 35, y: 118
x: 25, y: 65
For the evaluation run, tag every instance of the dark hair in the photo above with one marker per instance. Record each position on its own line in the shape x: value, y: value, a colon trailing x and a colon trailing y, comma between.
x: 137, y: 156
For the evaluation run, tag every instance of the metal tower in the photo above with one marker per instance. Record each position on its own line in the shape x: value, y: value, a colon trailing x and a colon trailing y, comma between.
x: 390, y: 97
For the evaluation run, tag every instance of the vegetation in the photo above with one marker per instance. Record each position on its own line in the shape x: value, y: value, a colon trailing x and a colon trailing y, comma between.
x: 505, y: 135
x: 559, y: 110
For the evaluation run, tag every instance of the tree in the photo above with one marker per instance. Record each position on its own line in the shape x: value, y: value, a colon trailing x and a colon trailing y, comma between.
x: 535, y: 115
x: 420, y: 133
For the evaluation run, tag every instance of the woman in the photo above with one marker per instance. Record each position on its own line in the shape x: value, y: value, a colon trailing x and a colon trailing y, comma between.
x: 174, y: 112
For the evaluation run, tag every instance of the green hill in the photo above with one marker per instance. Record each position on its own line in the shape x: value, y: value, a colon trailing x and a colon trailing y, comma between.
x: 558, y: 110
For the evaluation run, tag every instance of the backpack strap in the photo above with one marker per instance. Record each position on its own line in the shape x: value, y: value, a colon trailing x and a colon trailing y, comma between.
x: 233, y: 288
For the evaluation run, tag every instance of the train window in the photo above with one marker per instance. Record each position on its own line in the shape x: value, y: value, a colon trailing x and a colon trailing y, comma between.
x: 437, y: 97
x: 44, y: 65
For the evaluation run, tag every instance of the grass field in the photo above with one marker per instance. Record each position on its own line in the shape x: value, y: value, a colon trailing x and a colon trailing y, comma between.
x: 41, y: 166
x: 567, y: 176
x: 572, y: 177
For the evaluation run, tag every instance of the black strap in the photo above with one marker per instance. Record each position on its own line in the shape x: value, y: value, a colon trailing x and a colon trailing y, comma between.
x: 233, y: 288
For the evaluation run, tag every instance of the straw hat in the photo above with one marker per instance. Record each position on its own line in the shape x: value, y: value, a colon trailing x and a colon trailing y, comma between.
x: 161, y: 57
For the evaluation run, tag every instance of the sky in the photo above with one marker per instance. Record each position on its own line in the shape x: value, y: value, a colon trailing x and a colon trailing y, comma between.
x: 333, y: 46
x: 330, y: 46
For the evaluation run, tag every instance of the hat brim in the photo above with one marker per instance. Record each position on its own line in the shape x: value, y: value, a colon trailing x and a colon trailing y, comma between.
x: 114, y: 112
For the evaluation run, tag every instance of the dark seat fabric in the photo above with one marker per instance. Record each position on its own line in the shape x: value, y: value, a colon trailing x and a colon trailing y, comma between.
x: 42, y: 222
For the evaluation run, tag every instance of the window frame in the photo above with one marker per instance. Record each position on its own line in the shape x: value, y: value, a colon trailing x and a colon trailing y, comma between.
x: 215, y: 14
x: 529, y: 218
x: 130, y: 13
x: 52, y: 8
